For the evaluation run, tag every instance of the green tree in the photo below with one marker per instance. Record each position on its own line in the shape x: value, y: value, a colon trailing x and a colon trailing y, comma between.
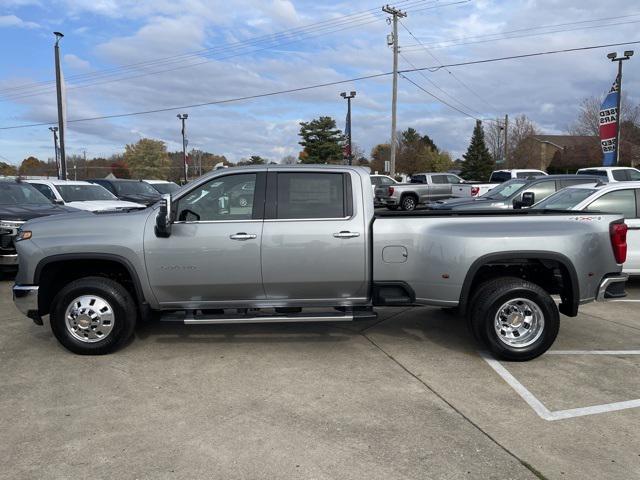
x: 253, y: 160
x: 8, y: 170
x: 322, y: 141
x: 31, y: 166
x: 380, y: 154
x: 147, y: 158
x: 417, y: 153
x: 478, y: 163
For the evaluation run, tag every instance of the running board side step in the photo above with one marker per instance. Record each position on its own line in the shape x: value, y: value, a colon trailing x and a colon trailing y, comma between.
x: 189, y: 318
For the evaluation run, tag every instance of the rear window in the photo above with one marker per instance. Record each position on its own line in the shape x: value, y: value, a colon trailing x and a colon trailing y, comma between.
x: 418, y: 179
x: 528, y: 173
x: 499, y: 177
x: 311, y: 195
x: 620, y: 201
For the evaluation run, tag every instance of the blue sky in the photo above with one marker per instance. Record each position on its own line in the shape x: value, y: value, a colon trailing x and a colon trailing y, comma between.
x: 107, y: 41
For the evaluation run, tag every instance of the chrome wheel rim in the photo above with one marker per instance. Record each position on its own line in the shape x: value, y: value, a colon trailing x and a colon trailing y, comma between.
x: 243, y: 202
x: 519, y: 322
x: 89, y: 318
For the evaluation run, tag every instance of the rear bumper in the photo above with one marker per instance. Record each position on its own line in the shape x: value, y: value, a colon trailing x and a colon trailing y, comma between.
x: 25, y: 297
x: 386, y: 201
x: 612, y: 287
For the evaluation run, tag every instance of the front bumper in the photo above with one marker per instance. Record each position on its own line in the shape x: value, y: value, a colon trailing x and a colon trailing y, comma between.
x: 612, y: 287
x: 25, y: 297
x: 9, y: 260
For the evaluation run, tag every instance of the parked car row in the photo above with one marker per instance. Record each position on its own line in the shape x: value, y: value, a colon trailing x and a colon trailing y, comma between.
x: 23, y: 200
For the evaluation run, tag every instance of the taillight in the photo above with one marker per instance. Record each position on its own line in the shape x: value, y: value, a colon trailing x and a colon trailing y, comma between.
x: 475, y: 191
x: 618, y: 234
x: 391, y: 190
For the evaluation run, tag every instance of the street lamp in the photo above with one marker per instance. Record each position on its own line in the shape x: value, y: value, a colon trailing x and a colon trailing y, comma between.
x: 613, y: 56
x: 348, y: 127
x: 183, y: 117
x: 54, y: 130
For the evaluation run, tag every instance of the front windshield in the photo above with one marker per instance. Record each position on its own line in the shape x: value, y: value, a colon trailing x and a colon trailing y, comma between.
x: 165, y: 188
x: 21, y: 194
x: 84, y: 193
x: 135, y: 188
x: 505, y: 190
x: 565, y: 199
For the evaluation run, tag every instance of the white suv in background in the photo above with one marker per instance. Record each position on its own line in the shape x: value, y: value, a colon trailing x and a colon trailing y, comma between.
x: 81, y: 195
x: 613, y: 174
x: 617, y: 197
x: 501, y: 176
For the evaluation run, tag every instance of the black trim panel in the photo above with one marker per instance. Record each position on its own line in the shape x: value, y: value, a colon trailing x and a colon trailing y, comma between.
x: 92, y: 256
x: 568, y: 310
x: 380, y: 297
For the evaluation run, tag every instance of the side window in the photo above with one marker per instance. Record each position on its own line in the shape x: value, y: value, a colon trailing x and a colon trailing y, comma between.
x: 542, y: 190
x: 223, y: 198
x: 108, y: 186
x: 376, y: 181
x: 634, y: 175
x: 311, y: 195
x: 567, y: 183
x: 620, y: 175
x: 439, y: 179
x: 499, y: 177
x: 621, y: 201
x: 452, y: 179
x: 45, y: 190
x: 386, y: 181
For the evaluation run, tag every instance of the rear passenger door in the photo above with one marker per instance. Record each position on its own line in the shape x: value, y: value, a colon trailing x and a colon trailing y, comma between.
x: 439, y: 188
x: 314, y: 238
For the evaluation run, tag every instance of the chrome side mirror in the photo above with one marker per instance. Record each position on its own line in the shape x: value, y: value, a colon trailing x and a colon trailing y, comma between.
x: 163, y: 220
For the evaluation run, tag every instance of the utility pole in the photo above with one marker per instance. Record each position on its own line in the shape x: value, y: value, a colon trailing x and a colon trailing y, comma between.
x: 54, y: 130
x: 395, y: 13
x: 506, y: 141
x: 183, y: 117
x: 348, y: 127
x: 614, y: 58
x: 63, y: 158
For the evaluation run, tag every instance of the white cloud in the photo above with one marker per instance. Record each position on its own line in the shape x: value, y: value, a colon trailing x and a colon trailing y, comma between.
x: 14, y: 21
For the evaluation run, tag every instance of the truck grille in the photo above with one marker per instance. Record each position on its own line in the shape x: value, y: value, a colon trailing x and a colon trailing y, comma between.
x: 8, y: 231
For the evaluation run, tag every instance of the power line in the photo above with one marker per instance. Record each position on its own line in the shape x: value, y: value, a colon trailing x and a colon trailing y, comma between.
x: 327, y: 84
x: 464, y: 85
x: 437, y: 98
x: 438, y: 45
x: 274, y: 40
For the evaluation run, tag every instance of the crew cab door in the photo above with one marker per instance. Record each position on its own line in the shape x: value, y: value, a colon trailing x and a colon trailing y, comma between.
x: 314, y: 237
x: 440, y: 187
x: 213, y: 252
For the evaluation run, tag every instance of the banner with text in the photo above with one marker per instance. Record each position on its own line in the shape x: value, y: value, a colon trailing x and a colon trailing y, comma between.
x: 609, y: 125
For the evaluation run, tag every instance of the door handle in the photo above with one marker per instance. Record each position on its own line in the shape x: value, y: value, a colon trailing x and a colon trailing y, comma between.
x: 345, y: 234
x: 243, y: 236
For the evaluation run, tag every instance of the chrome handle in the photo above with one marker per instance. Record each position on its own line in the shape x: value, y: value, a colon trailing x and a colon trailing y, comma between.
x: 243, y: 236
x: 345, y: 234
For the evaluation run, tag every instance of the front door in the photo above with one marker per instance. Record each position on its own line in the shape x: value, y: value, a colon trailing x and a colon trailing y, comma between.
x: 314, y: 240
x: 213, y: 253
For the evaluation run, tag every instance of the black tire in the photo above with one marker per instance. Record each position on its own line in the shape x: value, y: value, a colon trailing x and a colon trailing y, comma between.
x: 409, y: 203
x: 491, y: 296
x: 120, y: 301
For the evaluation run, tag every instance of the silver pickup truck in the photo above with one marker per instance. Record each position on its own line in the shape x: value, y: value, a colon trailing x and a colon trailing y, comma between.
x: 308, y: 247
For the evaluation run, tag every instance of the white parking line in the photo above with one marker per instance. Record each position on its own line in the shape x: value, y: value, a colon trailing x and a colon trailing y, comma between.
x: 593, y: 352
x: 542, y: 411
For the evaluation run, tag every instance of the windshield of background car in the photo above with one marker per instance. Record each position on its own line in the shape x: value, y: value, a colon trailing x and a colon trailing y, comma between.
x: 565, y: 199
x: 21, y: 194
x: 504, y: 191
x: 165, y: 188
x: 135, y: 188
x: 84, y: 193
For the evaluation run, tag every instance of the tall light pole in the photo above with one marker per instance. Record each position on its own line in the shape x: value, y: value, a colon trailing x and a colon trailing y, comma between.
x: 348, y: 127
x: 63, y: 158
x: 54, y: 130
x: 183, y: 117
x: 613, y: 56
x: 394, y: 100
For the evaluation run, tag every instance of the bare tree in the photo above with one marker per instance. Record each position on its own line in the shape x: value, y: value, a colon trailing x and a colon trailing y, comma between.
x: 494, y: 138
x: 588, y: 121
x: 289, y: 160
x: 520, y: 151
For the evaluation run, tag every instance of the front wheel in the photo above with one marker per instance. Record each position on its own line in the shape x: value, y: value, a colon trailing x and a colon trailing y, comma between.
x: 93, y: 316
x: 515, y: 319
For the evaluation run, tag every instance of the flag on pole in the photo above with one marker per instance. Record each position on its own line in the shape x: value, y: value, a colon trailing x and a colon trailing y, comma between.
x: 347, y: 135
x: 609, y: 125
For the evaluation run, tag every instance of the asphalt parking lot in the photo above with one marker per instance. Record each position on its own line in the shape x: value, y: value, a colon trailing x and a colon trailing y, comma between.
x: 408, y: 396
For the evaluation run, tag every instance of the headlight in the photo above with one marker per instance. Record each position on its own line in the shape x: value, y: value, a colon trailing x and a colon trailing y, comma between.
x: 23, y: 235
x: 8, y: 227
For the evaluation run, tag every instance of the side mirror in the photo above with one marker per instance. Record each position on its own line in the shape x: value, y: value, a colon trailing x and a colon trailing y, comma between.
x: 163, y: 220
x: 528, y: 199
x: 57, y: 202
